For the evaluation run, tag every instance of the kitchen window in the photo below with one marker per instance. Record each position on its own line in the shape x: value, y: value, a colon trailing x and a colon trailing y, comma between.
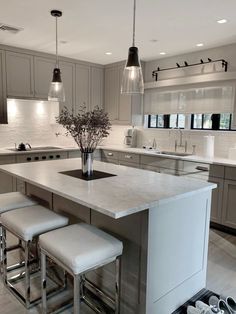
x: 166, y: 121
x: 217, y: 122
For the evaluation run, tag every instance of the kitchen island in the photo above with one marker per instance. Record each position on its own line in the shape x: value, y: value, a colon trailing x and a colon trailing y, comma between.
x: 162, y: 220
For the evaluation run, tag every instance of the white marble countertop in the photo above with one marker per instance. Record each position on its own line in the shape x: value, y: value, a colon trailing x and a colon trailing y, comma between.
x: 130, y: 191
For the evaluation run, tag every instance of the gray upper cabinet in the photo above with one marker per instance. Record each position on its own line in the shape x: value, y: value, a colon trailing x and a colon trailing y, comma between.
x: 97, y: 87
x: 112, y: 92
x: 68, y: 78
x: 19, y: 71
x: 124, y: 108
x: 82, y: 86
x: 43, y: 68
x: 3, y: 99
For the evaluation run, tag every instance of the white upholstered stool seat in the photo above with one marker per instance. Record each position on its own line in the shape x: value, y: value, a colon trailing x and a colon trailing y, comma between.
x: 31, y: 221
x: 80, y: 248
x: 13, y: 200
x: 27, y: 223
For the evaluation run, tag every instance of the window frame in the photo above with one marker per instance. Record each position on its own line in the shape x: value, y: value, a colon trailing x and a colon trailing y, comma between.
x: 215, y: 123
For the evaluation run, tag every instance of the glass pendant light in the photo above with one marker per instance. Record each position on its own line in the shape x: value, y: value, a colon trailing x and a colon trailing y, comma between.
x: 132, y: 80
x: 56, y: 90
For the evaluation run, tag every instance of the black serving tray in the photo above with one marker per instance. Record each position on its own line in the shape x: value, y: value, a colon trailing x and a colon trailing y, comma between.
x: 77, y: 173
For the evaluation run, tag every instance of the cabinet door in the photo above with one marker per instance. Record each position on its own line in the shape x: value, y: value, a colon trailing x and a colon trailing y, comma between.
x: 97, y: 87
x: 43, y: 69
x: 111, y: 92
x: 229, y: 204
x: 68, y: 79
x: 124, y: 108
x: 3, y: 98
x: 19, y: 69
x: 82, y: 84
x: 216, y: 200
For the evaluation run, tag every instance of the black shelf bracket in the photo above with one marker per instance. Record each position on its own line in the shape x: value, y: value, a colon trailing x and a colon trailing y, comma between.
x: 224, y: 65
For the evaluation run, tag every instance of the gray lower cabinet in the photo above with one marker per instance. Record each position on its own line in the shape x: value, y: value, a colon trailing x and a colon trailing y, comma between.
x: 19, y: 73
x: 229, y: 204
x: 3, y: 99
x: 82, y: 87
x: 216, y: 201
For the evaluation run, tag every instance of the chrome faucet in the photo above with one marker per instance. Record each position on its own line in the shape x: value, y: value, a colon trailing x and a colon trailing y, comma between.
x: 181, y: 144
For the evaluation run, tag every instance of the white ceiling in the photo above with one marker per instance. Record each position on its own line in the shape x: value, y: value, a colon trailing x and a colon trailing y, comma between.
x: 93, y: 27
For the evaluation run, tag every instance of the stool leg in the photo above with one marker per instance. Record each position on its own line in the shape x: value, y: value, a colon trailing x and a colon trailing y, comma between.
x: 44, y: 282
x: 4, y: 256
x: 1, y: 249
x: 27, y: 274
x: 118, y: 279
x: 77, y: 294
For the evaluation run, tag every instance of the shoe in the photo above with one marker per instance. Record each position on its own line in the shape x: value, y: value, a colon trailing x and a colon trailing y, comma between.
x: 217, y: 306
x: 192, y: 310
x: 231, y: 304
x: 203, y: 307
x: 222, y: 305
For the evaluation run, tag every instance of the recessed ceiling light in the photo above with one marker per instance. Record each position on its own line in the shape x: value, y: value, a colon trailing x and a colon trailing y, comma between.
x: 200, y: 45
x: 163, y: 53
x: 108, y: 53
x: 222, y: 21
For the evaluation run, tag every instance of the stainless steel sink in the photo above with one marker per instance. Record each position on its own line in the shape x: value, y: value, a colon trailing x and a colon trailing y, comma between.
x: 175, y: 153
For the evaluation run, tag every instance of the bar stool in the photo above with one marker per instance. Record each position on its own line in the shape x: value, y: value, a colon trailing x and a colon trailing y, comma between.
x: 78, y: 249
x: 27, y: 224
x: 11, y: 201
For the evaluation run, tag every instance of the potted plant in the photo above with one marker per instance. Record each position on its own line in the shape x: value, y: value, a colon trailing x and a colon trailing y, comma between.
x: 87, y: 128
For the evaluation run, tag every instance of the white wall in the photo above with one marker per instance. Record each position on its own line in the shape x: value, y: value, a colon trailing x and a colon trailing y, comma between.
x: 29, y: 121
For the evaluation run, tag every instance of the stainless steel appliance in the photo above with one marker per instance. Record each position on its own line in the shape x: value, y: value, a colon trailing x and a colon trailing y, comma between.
x: 130, y: 139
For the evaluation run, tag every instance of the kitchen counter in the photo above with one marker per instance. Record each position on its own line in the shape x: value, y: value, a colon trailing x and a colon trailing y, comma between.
x: 194, y: 158
x: 156, y: 216
x: 130, y: 191
x: 139, y: 151
x: 8, y: 151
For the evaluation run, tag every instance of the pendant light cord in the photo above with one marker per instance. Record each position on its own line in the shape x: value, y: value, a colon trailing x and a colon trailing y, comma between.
x: 134, y: 20
x: 57, y: 63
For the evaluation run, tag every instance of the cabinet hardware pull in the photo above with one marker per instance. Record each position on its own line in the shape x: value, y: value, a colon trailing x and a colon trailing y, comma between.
x: 202, y: 168
x: 110, y: 154
x: 28, y: 159
x: 128, y: 156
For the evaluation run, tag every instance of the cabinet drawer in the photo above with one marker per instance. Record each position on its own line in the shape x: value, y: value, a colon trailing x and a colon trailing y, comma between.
x: 129, y: 164
x: 230, y: 173
x: 7, y: 160
x: 109, y: 154
x: 203, y: 169
x: 160, y: 162
x: 74, y: 154
x: 129, y: 157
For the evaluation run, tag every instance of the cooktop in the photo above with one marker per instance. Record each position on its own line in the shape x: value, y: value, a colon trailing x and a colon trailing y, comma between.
x: 36, y: 148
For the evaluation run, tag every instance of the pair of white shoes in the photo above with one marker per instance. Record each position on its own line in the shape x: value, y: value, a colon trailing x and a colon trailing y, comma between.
x: 227, y: 305
x: 202, y: 308
x: 220, y: 306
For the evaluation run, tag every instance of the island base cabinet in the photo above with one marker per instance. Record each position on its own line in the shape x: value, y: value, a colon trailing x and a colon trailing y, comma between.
x: 178, y: 235
x: 7, y: 183
x: 229, y: 204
